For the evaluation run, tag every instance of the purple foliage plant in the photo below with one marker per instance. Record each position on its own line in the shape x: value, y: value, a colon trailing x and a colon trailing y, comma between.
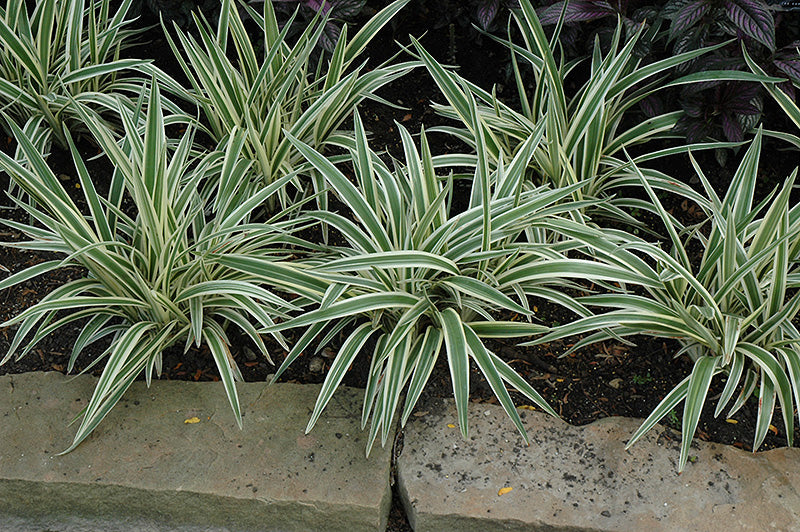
x: 336, y: 12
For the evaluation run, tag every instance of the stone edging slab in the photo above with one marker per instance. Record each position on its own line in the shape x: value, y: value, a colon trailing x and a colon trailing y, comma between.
x: 581, y: 478
x: 147, y: 469
x: 172, y: 456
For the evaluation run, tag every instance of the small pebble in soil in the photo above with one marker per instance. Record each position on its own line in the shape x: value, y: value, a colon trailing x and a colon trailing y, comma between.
x: 316, y: 364
x: 249, y: 354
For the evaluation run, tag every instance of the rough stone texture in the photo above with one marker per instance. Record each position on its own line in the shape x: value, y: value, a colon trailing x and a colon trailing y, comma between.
x: 581, y: 478
x: 145, y: 469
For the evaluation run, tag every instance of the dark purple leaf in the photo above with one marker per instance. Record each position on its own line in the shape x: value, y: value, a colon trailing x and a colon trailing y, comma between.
x: 738, y: 99
x: 631, y: 26
x: 732, y: 129
x: 683, y: 124
x: 643, y: 47
x: 687, y: 16
x: 712, y: 62
x: 577, y: 11
x: 698, y: 131
x: 329, y: 36
x: 728, y: 27
x: 693, y: 107
x: 753, y: 19
x: 788, y: 89
x: 652, y: 106
x: 316, y: 5
x: 346, y: 9
x: 571, y: 38
x: 790, y: 68
x: 694, y: 88
x: 691, y: 39
x: 695, y: 130
x: 749, y: 122
x: 671, y: 7
x: 645, y: 14
x: 487, y: 10
x: 738, y: 92
x: 747, y: 91
x: 742, y: 108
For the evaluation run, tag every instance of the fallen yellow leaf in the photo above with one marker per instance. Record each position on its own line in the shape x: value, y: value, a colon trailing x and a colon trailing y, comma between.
x: 527, y: 407
x: 731, y: 421
x: 774, y: 429
x: 192, y: 420
x: 503, y: 491
x: 450, y: 426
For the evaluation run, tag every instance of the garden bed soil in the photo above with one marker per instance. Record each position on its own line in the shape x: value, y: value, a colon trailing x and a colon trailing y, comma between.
x: 607, y: 379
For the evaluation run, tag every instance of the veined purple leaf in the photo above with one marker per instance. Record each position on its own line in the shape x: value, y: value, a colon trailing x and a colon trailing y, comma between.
x: 646, y: 14
x: 577, y: 11
x: 682, y: 125
x: 695, y: 88
x: 754, y: 20
x: 788, y: 89
x: 728, y: 27
x: 712, y: 62
x: 740, y: 99
x: 329, y: 36
x: 751, y: 121
x: 732, y: 128
x: 631, y: 26
x: 652, y: 106
x: 695, y: 130
x: 693, y: 108
x: 691, y: 39
x: 671, y: 7
x: 789, y: 67
x: 746, y: 91
x: 742, y: 108
x: 346, y: 9
x: 570, y: 38
x: 487, y: 10
x: 314, y: 4
x: 687, y: 16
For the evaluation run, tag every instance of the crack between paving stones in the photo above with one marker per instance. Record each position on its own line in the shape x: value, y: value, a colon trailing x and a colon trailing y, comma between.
x: 397, y: 500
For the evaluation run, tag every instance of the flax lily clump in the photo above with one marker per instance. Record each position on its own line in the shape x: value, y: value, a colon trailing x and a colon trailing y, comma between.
x: 64, y: 55
x: 281, y: 91
x: 154, y: 276
x: 584, y: 136
x: 181, y: 251
x: 732, y: 308
x: 782, y: 99
x: 413, y: 279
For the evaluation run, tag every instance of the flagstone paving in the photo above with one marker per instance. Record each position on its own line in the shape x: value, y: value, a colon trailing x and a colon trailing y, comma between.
x: 581, y: 478
x: 171, y: 457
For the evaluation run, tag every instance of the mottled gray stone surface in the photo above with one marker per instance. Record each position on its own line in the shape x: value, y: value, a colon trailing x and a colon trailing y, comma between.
x: 145, y: 467
x: 581, y: 478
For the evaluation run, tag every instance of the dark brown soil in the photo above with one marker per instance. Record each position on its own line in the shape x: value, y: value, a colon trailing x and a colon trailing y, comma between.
x: 604, y: 380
